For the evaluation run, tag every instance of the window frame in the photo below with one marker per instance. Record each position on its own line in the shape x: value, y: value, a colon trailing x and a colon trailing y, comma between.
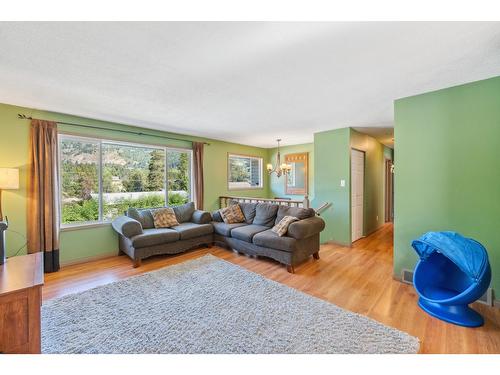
x: 261, y: 172
x: 100, y: 141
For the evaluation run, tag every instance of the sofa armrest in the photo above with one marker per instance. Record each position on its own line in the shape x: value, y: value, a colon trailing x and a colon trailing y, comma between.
x: 201, y: 217
x: 127, y: 227
x: 306, y: 227
x: 216, y: 216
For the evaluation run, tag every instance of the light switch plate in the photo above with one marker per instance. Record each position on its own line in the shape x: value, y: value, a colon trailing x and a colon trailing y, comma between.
x: 342, y: 183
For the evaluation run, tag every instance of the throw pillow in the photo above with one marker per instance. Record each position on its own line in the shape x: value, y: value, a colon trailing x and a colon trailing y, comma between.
x: 232, y: 214
x: 164, y: 217
x: 282, y: 227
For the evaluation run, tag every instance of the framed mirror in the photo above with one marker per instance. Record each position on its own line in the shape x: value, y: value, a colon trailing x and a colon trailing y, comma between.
x: 296, y: 183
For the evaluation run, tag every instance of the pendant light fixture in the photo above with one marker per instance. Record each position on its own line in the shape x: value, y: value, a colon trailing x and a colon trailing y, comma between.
x: 279, y: 168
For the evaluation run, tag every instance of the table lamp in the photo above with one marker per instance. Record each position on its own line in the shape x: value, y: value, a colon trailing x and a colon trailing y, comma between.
x: 9, y: 180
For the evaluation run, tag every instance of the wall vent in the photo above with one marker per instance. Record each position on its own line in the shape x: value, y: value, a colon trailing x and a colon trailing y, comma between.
x: 487, y: 297
x: 407, y: 276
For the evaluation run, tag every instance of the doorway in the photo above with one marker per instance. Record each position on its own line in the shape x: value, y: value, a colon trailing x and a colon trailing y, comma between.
x: 357, y: 192
x: 389, y: 191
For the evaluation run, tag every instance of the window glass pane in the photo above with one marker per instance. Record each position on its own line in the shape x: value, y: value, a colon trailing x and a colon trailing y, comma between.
x: 244, y: 172
x: 179, y: 182
x: 79, y: 181
x: 132, y: 176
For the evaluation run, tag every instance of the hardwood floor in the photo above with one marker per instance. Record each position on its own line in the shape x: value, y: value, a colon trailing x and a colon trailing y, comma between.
x: 358, y: 279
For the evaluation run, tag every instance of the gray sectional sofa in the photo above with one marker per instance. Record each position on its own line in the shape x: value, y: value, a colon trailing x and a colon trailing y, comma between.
x: 255, y: 237
x: 139, y: 239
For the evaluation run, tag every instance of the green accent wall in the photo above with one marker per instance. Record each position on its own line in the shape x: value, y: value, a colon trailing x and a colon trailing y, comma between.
x: 277, y: 185
x: 80, y: 244
x: 332, y: 151
x: 332, y: 164
x: 374, y: 181
x: 447, y: 169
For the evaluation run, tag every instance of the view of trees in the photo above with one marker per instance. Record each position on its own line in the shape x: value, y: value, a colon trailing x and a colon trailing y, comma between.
x: 79, y: 180
x: 240, y: 170
x: 132, y: 176
x: 178, y: 171
x: 156, y: 169
x: 244, y: 171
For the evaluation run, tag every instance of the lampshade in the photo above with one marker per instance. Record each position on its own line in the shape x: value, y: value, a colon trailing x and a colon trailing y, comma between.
x: 9, y: 178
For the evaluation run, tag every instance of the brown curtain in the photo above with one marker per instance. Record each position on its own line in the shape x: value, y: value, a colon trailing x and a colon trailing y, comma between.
x: 43, y: 211
x: 198, y: 173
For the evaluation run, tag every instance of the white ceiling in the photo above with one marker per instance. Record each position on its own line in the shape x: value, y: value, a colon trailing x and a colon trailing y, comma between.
x: 242, y: 82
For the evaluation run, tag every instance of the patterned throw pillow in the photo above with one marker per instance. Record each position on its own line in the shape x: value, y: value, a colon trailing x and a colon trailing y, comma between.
x: 232, y: 214
x: 282, y: 227
x: 164, y: 217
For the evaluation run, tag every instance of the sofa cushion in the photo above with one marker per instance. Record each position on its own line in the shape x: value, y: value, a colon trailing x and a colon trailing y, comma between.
x: 232, y: 214
x: 272, y: 240
x: 216, y: 216
x: 184, y: 212
x: 192, y: 230
x: 247, y: 232
x: 298, y: 212
x: 225, y: 229
x: 249, y: 210
x: 142, y: 216
x: 164, y: 217
x: 265, y: 214
x: 152, y: 237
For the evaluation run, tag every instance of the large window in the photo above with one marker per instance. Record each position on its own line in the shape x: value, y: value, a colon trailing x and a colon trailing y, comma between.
x: 132, y: 176
x: 244, y: 172
x: 100, y: 179
x: 79, y: 166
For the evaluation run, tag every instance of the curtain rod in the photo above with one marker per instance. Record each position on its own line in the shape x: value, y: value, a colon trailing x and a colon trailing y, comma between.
x: 24, y: 117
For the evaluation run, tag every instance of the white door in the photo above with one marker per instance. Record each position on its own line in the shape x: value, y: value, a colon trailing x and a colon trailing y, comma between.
x: 357, y: 190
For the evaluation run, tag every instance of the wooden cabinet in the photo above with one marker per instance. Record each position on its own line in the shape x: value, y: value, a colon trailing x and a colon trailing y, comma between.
x: 21, y: 280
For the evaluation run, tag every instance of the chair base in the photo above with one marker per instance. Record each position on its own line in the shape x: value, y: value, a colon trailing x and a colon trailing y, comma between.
x: 461, y: 315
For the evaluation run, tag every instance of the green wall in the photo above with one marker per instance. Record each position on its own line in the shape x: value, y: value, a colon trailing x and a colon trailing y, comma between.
x: 332, y: 164
x: 75, y: 244
x: 447, y: 169
x: 277, y: 185
x: 374, y: 181
x: 332, y: 151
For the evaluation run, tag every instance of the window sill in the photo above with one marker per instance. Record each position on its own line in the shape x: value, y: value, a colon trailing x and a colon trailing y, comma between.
x: 69, y: 228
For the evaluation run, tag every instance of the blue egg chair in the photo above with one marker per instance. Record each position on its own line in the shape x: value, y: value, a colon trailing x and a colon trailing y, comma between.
x: 453, y: 271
